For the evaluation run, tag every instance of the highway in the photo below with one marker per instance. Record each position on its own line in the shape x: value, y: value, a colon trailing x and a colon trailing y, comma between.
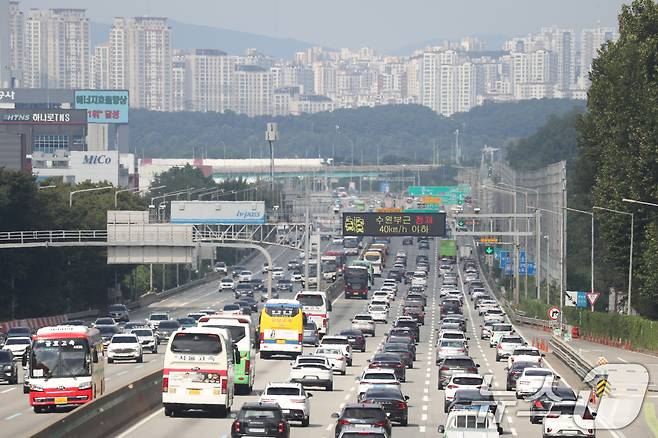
x: 425, y: 404
x: 17, y: 416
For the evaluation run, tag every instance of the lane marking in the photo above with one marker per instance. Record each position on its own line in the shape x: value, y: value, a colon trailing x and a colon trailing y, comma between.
x: 11, y: 417
x: 421, y: 429
x: 7, y: 390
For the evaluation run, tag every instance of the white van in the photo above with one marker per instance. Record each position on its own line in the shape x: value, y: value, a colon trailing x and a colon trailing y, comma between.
x: 243, y: 335
x: 316, y: 307
x: 198, y: 371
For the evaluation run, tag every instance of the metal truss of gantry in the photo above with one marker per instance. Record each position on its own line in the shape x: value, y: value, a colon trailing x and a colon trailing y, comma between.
x: 287, y: 235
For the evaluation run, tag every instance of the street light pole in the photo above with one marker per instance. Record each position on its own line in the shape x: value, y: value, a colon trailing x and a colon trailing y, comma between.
x: 132, y: 189
x: 591, y: 214
x: 86, y: 190
x: 271, y: 135
x: 548, y: 268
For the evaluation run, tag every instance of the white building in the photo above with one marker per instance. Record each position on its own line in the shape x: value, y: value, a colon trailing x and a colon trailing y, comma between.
x: 324, y: 79
x: 79, y: 166
x: 141, y: 61
x: 16, y: 41
x: 178, y: 75
x: 57, y: 49
x: 208, y: 80
x: 251, y: 90
x: 591, y: 41
x: 100, y: 67
x: 562, y: 43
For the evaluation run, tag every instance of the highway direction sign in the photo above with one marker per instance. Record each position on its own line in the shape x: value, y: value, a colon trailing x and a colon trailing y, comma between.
x: 489, y: 250
x: 553, y: 313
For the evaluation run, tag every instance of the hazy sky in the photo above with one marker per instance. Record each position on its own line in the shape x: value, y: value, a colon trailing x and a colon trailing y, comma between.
x: 382, y: 24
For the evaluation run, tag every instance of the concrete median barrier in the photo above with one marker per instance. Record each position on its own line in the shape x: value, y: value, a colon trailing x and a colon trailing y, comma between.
x: 110, y: 413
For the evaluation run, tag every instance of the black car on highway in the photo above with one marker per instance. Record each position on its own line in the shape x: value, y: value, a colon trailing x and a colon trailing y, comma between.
x: 166, y: 328
x: 260, y: 419
x: 392, y: 401
x: 455, y: 365
x: 391, y: 361
x: 408, y: 241
x: 403, y: 350
x: 357, y: 339
x: 244, y: 290
x: 411, y: 325
x: 284, y: 285
x: 363, y: 415
x: 8, y: 367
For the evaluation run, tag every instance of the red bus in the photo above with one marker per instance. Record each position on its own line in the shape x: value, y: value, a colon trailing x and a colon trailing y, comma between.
x: 356, y: 282
x: 65, y: 366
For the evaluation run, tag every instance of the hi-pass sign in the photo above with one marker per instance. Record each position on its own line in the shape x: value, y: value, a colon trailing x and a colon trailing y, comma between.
x: 394, y: 224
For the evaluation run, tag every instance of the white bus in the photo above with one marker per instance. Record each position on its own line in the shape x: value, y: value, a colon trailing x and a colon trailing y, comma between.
x: 198, y: 371
x: 316, y: 307
x: 243, y: 336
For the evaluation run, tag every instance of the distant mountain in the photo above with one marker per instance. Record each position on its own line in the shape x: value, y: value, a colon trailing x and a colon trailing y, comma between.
x: 493, y: 44
x: 191, y: 36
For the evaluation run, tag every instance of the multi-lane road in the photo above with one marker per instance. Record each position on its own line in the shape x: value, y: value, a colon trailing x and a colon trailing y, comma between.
x: 425, y: 404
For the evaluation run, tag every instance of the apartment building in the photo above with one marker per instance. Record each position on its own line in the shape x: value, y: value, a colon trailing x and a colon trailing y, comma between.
x: 208, y: 80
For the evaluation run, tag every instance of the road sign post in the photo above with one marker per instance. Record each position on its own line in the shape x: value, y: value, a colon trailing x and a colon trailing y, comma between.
x: 593, y: 297
x: 553, y: 313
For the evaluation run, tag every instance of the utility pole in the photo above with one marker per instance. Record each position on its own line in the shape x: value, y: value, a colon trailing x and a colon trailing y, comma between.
x: 457, y: 151
x: 271, y: 135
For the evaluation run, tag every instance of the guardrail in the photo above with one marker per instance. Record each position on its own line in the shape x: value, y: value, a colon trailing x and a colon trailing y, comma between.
x: 570, y: 357
x: 52, y: 236
x: 108, y: 414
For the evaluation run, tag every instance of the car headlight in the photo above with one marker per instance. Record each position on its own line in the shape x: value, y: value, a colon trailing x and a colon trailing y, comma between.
x: 36, y: 388
x: 84, y: 385
x: 7, y: 367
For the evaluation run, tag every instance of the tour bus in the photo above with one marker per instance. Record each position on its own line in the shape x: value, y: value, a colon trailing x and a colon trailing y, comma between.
x: 316, y: 307
x: 340, y: 256
x: 65, y: 366
x: 281, y: 328
x: 376, y: 260
x: 356, y: 282
x: 243, y: 336
x: 198, y: 371
x: 368, y: 265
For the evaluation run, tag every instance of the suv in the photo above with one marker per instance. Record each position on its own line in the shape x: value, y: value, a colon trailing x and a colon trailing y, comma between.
x: 569, y: 418
x: 260, y: 419
x: 292, y: 398
x: 244, y: 289
x: 450, y: 366
x: 8, y: 367
x: 220, y: 267
x: 364, y: 322
x: 147, y: 338
x: 226, y: 283
x: 364, y: 415
x: 119, y: 312
x: 340, y: 341
x: 313, y: 371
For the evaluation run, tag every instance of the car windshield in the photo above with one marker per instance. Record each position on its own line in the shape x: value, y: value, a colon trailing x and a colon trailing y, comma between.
x: 196, y: 343
x: 5, y: 356
x: 231, y: 307
x: 311, y: 300
x: 17, y: 341
x: 19, y: 331
x: 364, y: 434
x: 461, y: 363
x: 169, y: 325
x: 378, y: 376
x: 259, y: 413
x: 364, y: 413
x: 537, y: 372
x: 282, y: 390
x: 378, y: 308
x: 363, y: 318
x: 527, y: 352
x: 142, y: 332
x: 502, y: 328
x: 512, y: 340
x: 310, y: 360
x: 467, y: 380
x: 452, y: 344
x: 60, y: 358
x: 186, y: 321
x: 124, y: 340
x: 322, y: 351
x: 107, y: 330
x: 117, y: 308
x: 159, y: 317
x: 105, y: 321
x: 336, y: 341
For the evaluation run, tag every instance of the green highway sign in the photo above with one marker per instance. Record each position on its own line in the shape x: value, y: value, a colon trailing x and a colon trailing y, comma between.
x: 489, y: 250
x: 448, y: 194
x: 461, y: 222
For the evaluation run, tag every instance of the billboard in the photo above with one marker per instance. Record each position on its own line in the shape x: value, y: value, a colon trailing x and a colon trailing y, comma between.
x: 42, y: 117
x: 394, y: 224
x: 217, y: 212
x: 103, y: 106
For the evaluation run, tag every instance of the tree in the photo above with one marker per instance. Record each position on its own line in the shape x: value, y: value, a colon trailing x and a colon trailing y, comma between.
x: 618, y: 137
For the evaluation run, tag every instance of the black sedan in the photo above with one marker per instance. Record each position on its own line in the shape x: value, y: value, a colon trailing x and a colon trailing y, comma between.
x: 357, y: 339
x: 412, y: 325
x: 260, y: 419
x: 392, y: 401
x: 392, y: 361
x: 8, y: 367
x: 284, y: 285
x: 403, y: 351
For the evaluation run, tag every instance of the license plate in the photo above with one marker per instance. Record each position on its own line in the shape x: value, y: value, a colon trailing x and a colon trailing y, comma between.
x: 257, y: 430
x: 193, y: 391
x: 362, y: 426
x: 280, y: 341
x: 61, y: 400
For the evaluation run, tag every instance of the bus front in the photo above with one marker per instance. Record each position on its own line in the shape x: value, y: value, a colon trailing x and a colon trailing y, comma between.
x: 375, y: 259
x: 64, y: 369
x: 356, y: 282
x: 281, y: 328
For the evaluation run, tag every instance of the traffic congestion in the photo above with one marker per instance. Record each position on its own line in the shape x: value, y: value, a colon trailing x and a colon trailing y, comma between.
x: 414, y: 341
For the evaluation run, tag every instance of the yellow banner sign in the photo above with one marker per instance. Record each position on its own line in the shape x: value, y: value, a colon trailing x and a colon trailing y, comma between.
x: 389, y: 210
x: 488, y: 240
x: 430, y: 200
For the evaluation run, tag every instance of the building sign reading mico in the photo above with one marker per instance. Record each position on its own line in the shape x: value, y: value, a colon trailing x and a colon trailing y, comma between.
x: 96, y: 160
x: 394, y: 224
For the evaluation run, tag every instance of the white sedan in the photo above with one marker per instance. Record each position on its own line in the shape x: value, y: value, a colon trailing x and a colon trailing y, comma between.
x: 371, y: 377
x: 125, y: 346
x: 226, y: 283
x: 378, y: 312
x: 292, y: 399
x: 461, y: 381
x: 336, y: 358
x: 17, y: 345
x: 532, y: 380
